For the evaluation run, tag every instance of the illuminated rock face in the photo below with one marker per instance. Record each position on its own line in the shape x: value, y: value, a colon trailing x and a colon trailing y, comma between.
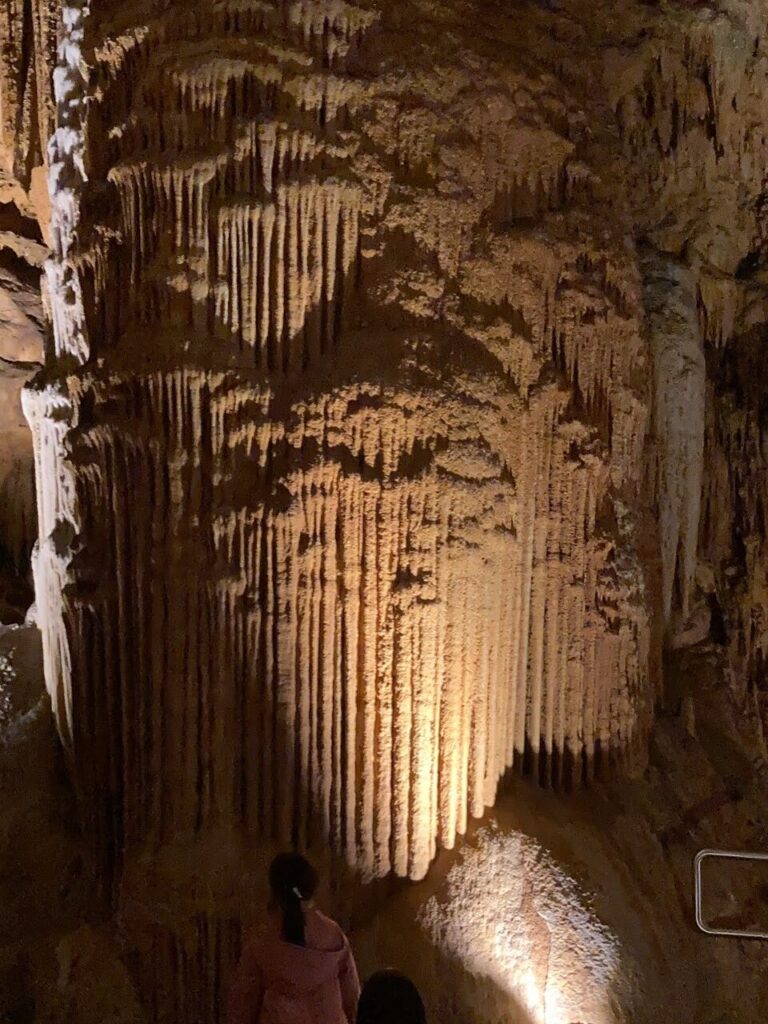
x: 405, y: 385
x: 340, y: 443
x: 512, y: 917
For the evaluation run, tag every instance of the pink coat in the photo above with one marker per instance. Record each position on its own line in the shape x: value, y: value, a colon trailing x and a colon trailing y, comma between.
x: 276, y: 982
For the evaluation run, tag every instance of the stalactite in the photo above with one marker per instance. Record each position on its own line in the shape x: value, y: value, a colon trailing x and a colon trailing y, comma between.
x: 254, y: 308
x: 28, y: 32
x: 423, y: 696
x: 679, y: 374
x: 327, y: 553
x: 362, y: 402
x: 50, y: 416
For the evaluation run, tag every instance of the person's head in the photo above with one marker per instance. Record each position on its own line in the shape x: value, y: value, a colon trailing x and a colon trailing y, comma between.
x: 389, y: 997
x: 293, y: 881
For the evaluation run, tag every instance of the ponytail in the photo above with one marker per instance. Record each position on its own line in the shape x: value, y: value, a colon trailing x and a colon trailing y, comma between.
x: 294, y: 921
x: 293, y: 881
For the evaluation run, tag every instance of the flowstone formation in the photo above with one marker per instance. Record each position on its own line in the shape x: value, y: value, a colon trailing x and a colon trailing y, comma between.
x: 340, y: 439
x: 404, y: 394
x: 691, y: 113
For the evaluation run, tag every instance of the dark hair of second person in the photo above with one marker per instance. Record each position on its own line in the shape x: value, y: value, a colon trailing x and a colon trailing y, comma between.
x: 389, y: 997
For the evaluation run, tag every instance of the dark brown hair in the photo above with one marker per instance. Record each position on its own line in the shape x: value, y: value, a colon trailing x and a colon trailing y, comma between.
x: 292, y: 879
x: 389, y: 997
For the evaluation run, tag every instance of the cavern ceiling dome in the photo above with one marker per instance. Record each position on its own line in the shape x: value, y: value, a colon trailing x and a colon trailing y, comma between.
x: 393, y: 426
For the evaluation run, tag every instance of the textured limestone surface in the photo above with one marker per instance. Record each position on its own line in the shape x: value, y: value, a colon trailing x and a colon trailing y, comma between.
x: 580, y: 909
x: 513, y: 916
x: 403, y: 400
x: 353, y: 359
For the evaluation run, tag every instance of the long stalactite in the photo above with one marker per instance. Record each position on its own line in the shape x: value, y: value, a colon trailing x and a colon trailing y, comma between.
x: 311, y: 568
x: 402, y: 397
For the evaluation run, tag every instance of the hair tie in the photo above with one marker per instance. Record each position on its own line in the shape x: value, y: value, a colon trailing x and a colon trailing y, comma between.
x: 297, y: 894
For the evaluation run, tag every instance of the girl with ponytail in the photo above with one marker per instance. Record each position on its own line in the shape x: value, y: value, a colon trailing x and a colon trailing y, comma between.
x: 299, y: 968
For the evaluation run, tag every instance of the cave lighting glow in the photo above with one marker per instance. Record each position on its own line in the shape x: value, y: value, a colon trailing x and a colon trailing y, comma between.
x: 515, y: 917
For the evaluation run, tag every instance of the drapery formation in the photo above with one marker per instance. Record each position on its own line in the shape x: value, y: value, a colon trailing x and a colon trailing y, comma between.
x: 337, y: 454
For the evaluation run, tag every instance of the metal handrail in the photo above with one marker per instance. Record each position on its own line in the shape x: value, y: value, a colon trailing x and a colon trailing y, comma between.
x: 732, y: 855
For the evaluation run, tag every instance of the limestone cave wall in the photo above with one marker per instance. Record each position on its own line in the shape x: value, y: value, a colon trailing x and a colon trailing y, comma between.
x: 340, y: 438
x: 402, y: 421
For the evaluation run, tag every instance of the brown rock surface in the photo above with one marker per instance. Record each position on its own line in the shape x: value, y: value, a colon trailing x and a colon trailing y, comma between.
x: 404, y: 395
x: 385, y: 377
x: 581, y: 908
